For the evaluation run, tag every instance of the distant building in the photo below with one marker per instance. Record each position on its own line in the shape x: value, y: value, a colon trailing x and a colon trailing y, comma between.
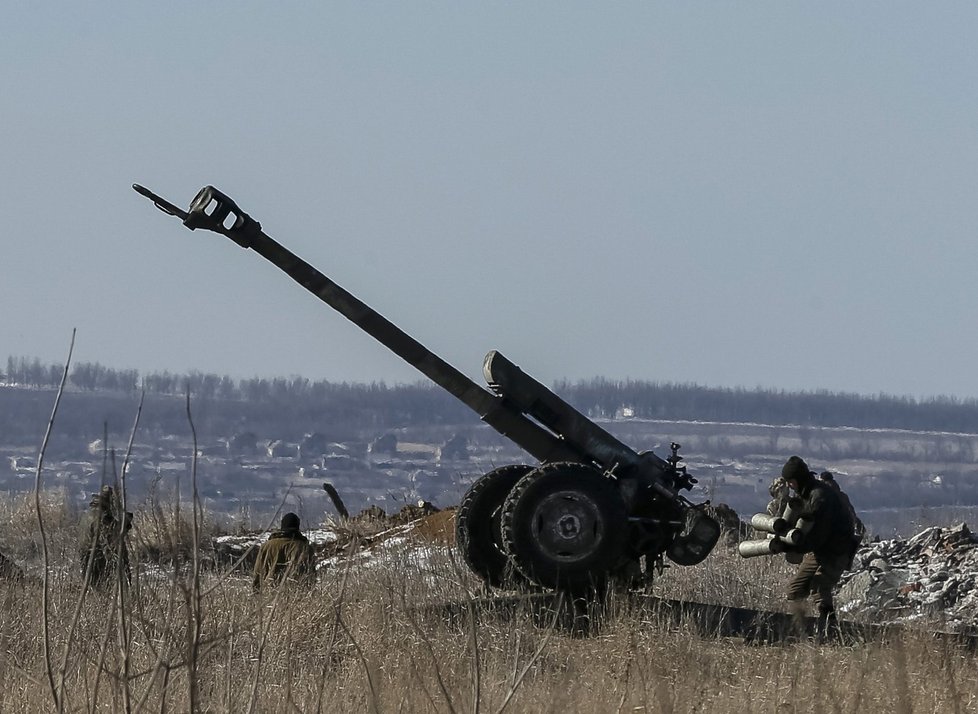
x: 279, y: 449
x: 386, y: 444
x: 455, y: 449
x: 213, y: 450
x: 340, y: 462
x: 22, y: 463
x: 243, y: 444
x: 313, y: 446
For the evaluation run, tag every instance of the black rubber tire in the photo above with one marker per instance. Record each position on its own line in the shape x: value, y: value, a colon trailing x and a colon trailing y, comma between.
x: 564, y: 526
x: 477, y: 526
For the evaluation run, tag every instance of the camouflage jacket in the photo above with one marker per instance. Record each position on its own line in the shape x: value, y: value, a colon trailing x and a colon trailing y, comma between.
x: 779, y: 497
x: 101, y: 545
x: 285, y: 555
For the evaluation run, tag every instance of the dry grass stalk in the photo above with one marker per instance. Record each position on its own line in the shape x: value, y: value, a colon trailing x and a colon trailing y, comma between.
x: 49, y: 669
x: 361, y: 645
x: 380, y: 635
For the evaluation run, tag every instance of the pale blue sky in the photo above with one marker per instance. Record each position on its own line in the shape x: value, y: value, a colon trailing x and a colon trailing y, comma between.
x: 735, y: 194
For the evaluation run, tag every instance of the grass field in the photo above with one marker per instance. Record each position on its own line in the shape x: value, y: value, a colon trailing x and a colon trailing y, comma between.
x: 376, y: 638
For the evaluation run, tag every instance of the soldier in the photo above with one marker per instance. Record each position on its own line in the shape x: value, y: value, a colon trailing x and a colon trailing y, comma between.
x: 286, y: 555
x: 859, y: 529
x: 826, y: 543
x: 779, y: 497
x: 103, y: 547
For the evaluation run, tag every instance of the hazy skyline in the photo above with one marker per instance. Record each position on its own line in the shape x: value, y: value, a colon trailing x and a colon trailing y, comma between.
x: 764, y: 194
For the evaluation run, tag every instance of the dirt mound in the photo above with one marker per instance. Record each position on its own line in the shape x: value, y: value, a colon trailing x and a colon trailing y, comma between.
x: 438, y: 527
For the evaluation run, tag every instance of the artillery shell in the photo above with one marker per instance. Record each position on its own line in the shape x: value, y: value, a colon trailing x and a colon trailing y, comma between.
x: 754, y: 548
x: 769, y: 524
x: 792, y: 510
x: 792, y: 537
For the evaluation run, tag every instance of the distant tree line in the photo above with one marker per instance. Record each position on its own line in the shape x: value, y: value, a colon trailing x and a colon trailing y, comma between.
x: 29, y: 372
x: 691, y: 402
x: 423, y: 403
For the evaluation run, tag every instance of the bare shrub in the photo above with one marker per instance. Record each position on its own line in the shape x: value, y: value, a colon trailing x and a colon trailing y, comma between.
x: 19, y: 537
x: 403, y: 629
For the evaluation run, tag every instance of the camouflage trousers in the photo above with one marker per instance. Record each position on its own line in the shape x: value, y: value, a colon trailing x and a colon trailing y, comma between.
x: 817, y: 576
x: 101, y: 564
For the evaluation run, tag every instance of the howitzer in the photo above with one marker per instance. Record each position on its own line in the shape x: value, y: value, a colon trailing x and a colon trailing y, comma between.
x: 592, y: 510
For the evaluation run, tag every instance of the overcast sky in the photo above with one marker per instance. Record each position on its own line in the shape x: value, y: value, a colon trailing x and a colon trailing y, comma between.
x: 768, y: 194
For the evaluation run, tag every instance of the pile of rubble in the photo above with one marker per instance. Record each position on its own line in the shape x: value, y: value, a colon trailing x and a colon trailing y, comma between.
x: 931, y: 577
x: 421, y: 525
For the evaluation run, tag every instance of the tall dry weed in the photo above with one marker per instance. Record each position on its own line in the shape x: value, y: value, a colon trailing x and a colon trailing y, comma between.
x: 402, y: 632
x: 19, y: 536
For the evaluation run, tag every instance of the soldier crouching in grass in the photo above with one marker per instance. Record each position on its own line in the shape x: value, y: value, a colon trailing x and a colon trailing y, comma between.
x: 103, y: 548
x: 286, y: 555
x: 826, y: 543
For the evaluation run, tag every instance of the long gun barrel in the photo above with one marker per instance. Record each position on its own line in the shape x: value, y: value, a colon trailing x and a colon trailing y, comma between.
x: 214, y: 211
x: 534, y: 517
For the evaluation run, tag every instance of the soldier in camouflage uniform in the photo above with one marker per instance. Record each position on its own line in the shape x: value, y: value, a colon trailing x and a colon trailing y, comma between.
x: 779, y: 497
x: 103, y: 548
x: 286, y: 555
x: 826, y: 543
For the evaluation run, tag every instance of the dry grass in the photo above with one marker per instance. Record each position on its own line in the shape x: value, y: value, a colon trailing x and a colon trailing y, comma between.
x: 375, y: 638
x: 19, y: 535
x: 727, y: 578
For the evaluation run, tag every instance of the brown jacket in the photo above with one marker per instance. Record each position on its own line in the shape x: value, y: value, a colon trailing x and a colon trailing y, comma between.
x: 286, y: 555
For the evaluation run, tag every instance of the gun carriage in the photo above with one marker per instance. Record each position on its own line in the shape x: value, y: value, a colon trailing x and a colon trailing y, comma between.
x: 591, y: 510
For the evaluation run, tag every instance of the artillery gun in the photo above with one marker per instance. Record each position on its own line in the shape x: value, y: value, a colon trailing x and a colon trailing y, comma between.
x: 593, y: 510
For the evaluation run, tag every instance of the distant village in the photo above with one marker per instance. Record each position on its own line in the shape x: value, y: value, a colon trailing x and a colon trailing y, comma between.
x: 244, y: 473
x: 265, y: 445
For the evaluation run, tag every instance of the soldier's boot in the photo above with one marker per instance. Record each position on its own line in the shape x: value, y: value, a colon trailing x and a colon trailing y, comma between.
x: 798, y: 611
x: 833, y: 631
x: 820, y: 625
x: 827, y: 629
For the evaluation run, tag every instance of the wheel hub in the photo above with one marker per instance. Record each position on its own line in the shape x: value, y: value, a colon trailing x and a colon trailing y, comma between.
x: 567, y: 526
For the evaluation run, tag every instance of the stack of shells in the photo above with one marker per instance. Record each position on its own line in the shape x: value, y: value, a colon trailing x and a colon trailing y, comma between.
x: 782, y: 532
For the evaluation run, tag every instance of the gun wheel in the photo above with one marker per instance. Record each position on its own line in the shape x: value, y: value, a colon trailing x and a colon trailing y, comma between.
x: 564, y: 527
x: 478, y: 535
